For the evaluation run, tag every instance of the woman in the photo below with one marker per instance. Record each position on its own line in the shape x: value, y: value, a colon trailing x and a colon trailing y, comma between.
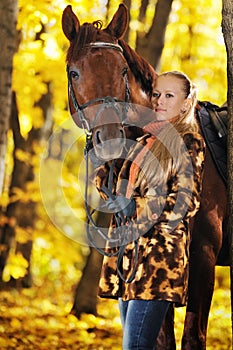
x: 157, y: 192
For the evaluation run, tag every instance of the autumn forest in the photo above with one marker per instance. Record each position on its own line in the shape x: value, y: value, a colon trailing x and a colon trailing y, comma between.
x: 48, y: 273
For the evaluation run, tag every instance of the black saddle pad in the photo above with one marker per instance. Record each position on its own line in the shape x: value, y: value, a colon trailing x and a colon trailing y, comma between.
x: 215, y: 134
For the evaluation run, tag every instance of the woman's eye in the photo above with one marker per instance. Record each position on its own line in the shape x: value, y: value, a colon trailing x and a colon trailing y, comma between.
x: 169, y: 95
x: 155, y: 94
x: 74, y: 75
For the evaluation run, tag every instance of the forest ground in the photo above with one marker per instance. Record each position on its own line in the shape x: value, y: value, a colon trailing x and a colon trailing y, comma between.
x: 38, y: 318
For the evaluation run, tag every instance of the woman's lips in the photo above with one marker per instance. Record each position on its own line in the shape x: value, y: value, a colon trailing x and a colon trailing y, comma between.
x: 160, y: 110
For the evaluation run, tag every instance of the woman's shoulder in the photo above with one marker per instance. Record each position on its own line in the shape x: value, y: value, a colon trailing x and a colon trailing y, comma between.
x: 193, y: 139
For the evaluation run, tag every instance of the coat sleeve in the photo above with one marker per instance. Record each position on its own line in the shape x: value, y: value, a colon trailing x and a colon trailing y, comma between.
x: 102, y: 174
x: 182, y: 199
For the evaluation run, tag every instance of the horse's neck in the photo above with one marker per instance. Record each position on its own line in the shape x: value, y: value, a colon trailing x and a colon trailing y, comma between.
x: 141, y: 76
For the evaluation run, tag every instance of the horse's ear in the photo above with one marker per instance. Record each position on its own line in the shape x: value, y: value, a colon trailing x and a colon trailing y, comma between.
x: 119, y: 23
x: 70, y: 23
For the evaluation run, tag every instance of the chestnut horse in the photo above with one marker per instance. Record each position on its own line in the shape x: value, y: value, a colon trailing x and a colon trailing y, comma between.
x: 101, y: 65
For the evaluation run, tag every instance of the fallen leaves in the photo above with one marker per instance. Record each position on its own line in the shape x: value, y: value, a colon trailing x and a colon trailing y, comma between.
x: 39, y: 319
x: 29, y: 320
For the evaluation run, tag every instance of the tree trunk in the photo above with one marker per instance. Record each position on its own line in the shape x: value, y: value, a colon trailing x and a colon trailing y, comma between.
x: 8, y: 40
x: 227, y: 27
x: 151, y: 44
x: 85, y: 298
x: 21, y: 211
x: 143, y: 8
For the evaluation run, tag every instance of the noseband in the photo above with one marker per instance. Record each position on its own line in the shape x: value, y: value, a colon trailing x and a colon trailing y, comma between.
x: 106, y: 101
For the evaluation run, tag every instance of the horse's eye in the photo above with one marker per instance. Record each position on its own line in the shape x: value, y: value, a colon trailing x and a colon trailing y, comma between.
x: 74, y: 75
x: 124, y: 71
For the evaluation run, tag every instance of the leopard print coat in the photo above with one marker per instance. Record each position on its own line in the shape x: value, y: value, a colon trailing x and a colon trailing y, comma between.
x: 161, y: 224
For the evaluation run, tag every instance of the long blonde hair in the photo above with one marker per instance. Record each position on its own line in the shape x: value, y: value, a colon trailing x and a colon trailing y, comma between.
x: 168, y: 148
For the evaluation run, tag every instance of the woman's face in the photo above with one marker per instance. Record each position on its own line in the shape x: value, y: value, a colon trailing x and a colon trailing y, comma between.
x: 168, y: 98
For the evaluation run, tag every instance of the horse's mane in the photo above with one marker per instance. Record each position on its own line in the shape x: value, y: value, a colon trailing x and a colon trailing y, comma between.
x: 88, y: 32
x: 142, y: 70
x: 91, y: 32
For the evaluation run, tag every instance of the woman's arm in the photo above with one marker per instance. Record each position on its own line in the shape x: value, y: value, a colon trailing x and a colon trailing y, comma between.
x: 184, y: 188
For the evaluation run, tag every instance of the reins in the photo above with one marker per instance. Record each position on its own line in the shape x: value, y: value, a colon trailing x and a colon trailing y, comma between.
x: 124, y: 234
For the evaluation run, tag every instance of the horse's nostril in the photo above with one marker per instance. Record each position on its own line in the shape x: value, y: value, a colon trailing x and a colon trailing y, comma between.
x: 97, y: 136
x: 122, y: 133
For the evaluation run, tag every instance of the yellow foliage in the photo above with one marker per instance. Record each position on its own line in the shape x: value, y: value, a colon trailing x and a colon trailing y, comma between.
x: 23, y: 234
x: 17, y: 194
x: 16, y: 266
x: 15, y: 323
x: 194, y: 44
x: 23, y: 156
x: 29, y: 194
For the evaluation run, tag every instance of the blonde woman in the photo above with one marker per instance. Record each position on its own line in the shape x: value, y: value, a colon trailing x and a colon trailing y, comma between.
x: 158, y: 191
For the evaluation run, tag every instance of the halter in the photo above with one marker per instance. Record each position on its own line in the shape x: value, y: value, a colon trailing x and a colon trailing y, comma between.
x: 108, y: 100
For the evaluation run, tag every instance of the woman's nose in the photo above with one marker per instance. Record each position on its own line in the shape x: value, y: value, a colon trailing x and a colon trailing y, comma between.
x: 160, y: 100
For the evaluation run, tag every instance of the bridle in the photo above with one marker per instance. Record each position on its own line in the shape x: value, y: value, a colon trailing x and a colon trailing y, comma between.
x: 80, y: 110
x: 106, y: 101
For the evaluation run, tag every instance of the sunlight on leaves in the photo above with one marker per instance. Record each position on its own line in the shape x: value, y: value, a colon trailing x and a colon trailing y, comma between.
x: 16, y: 266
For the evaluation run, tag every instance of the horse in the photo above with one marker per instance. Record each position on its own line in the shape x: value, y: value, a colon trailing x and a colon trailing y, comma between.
x: 103, y: 70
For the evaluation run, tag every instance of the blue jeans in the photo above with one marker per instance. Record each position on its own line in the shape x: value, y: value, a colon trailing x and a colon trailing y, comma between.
x: 141, y: 322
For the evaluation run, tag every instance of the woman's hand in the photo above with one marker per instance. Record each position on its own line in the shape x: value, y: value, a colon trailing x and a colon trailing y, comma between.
x: 119, y: 204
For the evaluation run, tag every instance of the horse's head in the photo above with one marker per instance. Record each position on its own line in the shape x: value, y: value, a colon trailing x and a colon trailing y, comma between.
x: 101, y: 73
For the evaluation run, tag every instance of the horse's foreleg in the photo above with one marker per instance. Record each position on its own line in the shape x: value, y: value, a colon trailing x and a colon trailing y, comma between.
x: 166, y: 337
x: 201, y: 287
